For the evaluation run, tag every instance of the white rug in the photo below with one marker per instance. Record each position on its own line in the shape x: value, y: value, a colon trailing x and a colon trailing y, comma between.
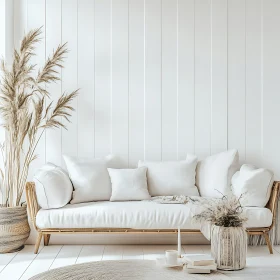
x: 255, y: 273
x: 127, y: 270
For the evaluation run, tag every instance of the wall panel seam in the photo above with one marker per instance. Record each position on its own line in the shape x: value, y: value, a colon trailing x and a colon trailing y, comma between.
x: 227, y: 76
x: 94, y: 82
x: 211, y: 74
x: 177, y: 75
x: 194, y: 79
x: 245, y: 78
x: 262, y: 82
x: 144, y: 65
x: 128, y: 86
x: 77, y: 78
x: 61, y: 74
x: 45, y: 43
x: 161, y: 77
x: 111, y: 77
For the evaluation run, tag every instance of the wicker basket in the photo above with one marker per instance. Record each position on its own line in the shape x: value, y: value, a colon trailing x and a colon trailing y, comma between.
x: 229, y: 247
x: 14, y: 228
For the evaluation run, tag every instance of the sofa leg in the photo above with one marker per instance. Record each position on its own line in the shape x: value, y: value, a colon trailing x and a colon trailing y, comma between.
x: 38, y: 241
x: 46, y: 239
x: 268, y: 242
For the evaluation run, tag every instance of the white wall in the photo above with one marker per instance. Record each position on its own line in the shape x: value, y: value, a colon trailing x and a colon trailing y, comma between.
x: 6, y: 44
x: 163, y: 78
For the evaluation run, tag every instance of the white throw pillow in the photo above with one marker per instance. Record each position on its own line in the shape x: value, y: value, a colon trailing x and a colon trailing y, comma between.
x: 254, y: 184
x: 171, y: 177
x: 129, y: 184
x: 214, y: 173
x: 90, y: 177
x: 53, y: 186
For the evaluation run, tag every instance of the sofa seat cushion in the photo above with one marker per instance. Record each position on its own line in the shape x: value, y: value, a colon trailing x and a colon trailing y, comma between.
x: 134, y: 214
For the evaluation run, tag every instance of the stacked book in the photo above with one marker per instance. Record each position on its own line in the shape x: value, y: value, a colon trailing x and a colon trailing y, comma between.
x: 199, y: 263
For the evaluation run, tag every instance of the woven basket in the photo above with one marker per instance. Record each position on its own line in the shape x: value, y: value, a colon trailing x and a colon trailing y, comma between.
x: 229, y: 247
x: 14, y: 228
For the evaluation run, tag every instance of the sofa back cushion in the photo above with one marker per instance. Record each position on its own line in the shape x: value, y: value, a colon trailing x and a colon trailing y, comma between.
x: 90, y: 177
x: 53, y: 186
x: 129, y: 184
x: 214, y: 173
x: 171, y: 177
x: 254, y: 184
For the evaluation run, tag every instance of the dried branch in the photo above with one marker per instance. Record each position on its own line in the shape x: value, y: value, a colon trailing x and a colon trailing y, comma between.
x: 226, y: 211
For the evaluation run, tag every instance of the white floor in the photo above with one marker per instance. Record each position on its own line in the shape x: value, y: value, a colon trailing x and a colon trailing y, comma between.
x: 24, y: 264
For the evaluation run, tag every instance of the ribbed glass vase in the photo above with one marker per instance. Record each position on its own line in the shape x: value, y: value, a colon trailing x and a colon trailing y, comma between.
x: 229, y: 247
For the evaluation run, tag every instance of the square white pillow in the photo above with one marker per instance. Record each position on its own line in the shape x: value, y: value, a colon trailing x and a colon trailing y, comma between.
x: 214, y: 173
x: 53, y: 186
x: 129, y: 184
x: 90, y: 177
x: 171, y: 177
x: 254, y: 184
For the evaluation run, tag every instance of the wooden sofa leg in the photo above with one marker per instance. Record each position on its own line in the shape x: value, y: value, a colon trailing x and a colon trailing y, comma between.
x: 46, y: 239
x: 38, y: 241
x: 268, y: 242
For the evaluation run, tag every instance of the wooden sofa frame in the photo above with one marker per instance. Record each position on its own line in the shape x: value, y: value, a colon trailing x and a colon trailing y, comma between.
x: 33, y: 208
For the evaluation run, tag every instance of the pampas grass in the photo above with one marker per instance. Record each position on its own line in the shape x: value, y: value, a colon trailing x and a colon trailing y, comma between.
x: 225, y: 212
x: 23, y: 95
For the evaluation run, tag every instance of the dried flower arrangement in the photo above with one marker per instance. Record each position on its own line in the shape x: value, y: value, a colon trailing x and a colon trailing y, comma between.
x: 26, y: 112
x: 225, y: 212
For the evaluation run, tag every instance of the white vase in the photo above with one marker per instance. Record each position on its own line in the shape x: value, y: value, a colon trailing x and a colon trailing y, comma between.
x: 229, y: 247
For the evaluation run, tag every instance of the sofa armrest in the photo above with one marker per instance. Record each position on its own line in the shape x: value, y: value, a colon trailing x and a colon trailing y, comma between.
x: 273, y: 202
x: 32, y: 203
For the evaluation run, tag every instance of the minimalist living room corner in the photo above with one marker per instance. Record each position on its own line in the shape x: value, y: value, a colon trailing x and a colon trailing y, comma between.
x: 139, y: 139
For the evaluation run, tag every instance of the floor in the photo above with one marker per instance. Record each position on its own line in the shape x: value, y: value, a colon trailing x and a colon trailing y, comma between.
x: 24, y: 264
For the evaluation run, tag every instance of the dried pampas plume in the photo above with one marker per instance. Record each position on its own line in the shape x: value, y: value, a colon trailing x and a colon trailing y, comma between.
x: 225, y: 212
x: 25, y: 116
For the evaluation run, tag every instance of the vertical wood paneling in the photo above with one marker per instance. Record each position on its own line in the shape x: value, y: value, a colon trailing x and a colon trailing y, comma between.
x: 20, y: 20
x: 162, y: 78
x: 120, y: 79
x: 2, y: 28
x: 53, y: 39
x: 236, y: 77
x: 70, y: 72
x: 36, y: 19
x: 169, y: 80
x: 185, y: 78
x: 219, y: 76
x: 202, y: 77
x: 86, y: 77
x: 20, y: 27
x: 253, y: 80
x: 271, y: 85
x: 136, y: 81
x: 153, y: 101
x: 102, y: 77
x: 9, y: 33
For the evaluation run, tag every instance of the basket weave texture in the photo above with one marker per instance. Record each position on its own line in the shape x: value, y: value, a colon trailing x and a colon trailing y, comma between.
x: 14, y: 228
x: 229, y: 247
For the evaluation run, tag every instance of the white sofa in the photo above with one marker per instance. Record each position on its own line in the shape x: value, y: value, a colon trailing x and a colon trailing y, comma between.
x: 139, y: 216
